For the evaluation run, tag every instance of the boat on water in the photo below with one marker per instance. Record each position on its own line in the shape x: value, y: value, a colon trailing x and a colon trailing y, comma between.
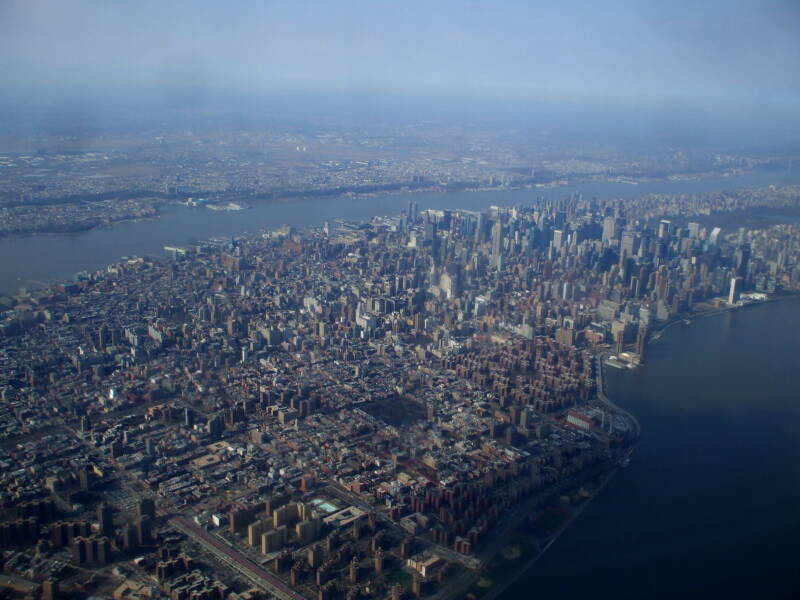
x: 687, y: 322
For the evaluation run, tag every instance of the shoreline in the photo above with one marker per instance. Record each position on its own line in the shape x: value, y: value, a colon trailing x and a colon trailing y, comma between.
x: 164, y: 209
x: 81, y: 229
x: 495, y: 591
x: 658, y: 331
x: 290, y: 196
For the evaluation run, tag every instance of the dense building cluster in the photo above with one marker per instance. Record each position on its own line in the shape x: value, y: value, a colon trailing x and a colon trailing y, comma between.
x: 77, y: 179
x: 320, y: 409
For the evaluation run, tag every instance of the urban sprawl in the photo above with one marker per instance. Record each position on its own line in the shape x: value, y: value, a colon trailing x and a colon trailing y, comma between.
x: 361, y: 410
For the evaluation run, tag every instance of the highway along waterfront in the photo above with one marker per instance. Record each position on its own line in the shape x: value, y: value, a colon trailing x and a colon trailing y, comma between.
x: 710, y: 504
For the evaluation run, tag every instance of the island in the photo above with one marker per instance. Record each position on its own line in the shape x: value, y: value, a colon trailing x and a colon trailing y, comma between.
x: 408, y: 407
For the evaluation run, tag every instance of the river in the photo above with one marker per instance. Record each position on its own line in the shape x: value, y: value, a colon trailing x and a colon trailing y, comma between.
x: 710, y: 504
x: 29, y: 260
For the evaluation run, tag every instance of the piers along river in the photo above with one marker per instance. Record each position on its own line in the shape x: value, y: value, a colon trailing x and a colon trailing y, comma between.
x: 30, y: 260
x: 710, y: 504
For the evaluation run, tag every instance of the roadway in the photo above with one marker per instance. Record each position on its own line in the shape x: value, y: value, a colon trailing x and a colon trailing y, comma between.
x: 236, y: 560
x: 510, y: 523
x: 601, y: 394
x: 222, y: 550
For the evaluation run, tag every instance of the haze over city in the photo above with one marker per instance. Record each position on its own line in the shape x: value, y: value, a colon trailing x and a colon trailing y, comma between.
x: 648, y: 64
x: 399, y: 300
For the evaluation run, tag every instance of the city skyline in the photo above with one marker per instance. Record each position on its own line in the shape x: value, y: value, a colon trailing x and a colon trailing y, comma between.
x: 375, y: 301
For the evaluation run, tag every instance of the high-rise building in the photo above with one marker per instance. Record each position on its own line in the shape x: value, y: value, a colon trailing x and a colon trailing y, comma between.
x: 105, y: 516
x: 628, y: 243
x: 146, y: 507
x: 609, y: 229
x: 497, y: 242
x: 144, y: 530
x: 50, y: 589
x: 620, y: 336
x: 641, y: 342
x: 742, y: 258
x: 736, y: 288
x: 558, y: 238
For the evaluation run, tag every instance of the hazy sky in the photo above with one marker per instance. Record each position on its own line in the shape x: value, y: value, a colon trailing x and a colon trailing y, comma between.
x: 742, y: 52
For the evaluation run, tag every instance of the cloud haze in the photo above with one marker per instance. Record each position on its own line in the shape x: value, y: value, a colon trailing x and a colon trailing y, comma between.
x: 742, y: 51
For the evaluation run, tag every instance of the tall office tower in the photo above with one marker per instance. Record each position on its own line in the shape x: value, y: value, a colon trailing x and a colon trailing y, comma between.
x: 50, y: 590
x: 620, y: 341
x: 558, y: 238
x: 430, y: 228
x: 144, y: 530
x: 609, y: 229
x: 497, y: 242
x: 479, y: 228
x: 742, y: 257
x: 105, y: 516
x: 447, y: 219
x: 645, y: 244
x: 736, y: 286
x: 641, y: 342
x: 694, y: 230
x: 628, y: 243
x: 146, y: 507
x: 664, y: 229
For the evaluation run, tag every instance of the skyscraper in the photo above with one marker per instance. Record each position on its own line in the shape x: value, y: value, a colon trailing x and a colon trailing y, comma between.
x: 609, y: 229
x: 628, y: 243
x: 105, y: 516
x: 641, y: 342
x: 733, y: 295
x: 664, y: 229
x: 497, y: 242
x: 558, y: 238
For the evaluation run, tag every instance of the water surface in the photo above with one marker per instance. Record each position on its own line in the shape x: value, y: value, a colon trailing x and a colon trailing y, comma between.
x: 32, y: 259
x: 710, y: 505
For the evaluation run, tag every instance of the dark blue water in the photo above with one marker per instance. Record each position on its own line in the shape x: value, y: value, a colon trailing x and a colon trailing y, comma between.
x: 710, y: 505
x: 46, y: 258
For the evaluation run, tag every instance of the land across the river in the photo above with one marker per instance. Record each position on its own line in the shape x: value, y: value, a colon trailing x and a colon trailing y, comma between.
x: 34, y: 260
